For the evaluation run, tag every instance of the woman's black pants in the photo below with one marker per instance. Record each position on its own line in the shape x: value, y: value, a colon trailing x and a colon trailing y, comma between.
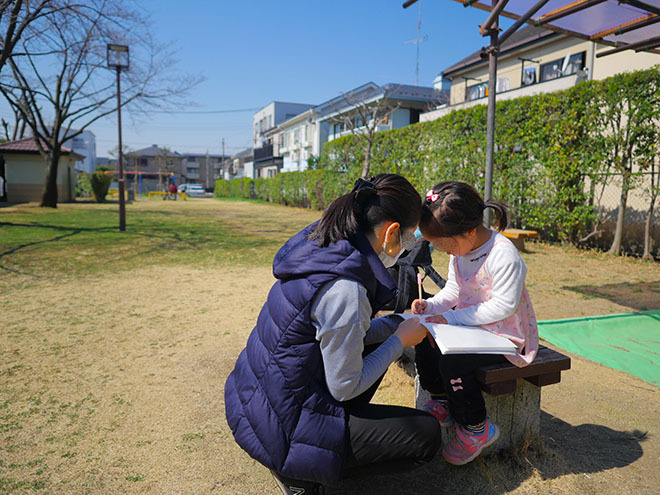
x: 384, y: 438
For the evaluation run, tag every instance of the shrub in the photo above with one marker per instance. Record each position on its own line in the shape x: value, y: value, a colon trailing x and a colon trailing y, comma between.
x: 100, y: 183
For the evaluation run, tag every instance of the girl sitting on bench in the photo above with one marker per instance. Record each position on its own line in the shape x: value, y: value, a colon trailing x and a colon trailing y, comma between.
x: 485, y: 287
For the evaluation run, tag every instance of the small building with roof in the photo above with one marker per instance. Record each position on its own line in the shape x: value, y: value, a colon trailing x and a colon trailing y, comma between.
x: 23, y: 169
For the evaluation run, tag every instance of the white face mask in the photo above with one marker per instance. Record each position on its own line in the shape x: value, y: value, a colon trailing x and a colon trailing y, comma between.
x: 406, y: 244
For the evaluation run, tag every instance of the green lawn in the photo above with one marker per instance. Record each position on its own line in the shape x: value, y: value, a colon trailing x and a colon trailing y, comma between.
x: 77, y: 239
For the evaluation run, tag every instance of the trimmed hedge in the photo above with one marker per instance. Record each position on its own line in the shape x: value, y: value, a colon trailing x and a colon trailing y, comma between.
x: 550, y: 148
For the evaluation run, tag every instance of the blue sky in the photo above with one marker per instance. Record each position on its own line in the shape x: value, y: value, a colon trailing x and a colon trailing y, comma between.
x: 252, y: 52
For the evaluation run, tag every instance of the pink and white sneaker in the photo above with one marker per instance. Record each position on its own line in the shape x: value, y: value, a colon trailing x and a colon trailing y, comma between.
x: 440, y: 412
x: 467, y: 446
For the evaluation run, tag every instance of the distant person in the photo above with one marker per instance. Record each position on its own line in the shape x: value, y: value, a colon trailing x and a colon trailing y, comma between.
x: 299, y: 398
x: 173, y: 190
x: 485, y: 287
x: 3, y: 194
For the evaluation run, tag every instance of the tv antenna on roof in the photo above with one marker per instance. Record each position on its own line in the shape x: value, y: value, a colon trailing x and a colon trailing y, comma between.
x: 418, y: 41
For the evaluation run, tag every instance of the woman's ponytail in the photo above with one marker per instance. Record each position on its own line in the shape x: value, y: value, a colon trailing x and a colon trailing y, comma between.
x: 385, y: 197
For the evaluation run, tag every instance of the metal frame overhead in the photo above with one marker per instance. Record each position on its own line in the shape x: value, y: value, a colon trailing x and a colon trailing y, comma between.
x: 621, y: 24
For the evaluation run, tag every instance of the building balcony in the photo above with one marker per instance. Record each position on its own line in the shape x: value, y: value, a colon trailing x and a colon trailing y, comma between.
x: 264, y: 154
x: 542, y: 87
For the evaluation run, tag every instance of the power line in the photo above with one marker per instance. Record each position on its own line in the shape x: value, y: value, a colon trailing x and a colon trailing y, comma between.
x: 237, y: 110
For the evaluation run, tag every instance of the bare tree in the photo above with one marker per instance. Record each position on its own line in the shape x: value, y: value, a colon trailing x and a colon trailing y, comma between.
x: 60, y: 85
x: 367, y: 112
x: 20, y: 17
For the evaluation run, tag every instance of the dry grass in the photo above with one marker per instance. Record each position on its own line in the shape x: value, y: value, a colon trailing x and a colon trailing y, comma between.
x: 113, y: 382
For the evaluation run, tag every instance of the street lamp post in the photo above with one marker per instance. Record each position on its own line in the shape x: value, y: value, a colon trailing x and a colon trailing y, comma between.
x: 118, y: 59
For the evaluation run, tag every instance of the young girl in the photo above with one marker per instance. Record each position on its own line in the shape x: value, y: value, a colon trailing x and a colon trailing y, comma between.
x: 485, y: 287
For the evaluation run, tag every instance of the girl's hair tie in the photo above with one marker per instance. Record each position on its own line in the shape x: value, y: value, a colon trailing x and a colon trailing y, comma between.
x: 484, y: 206
x: 431, y: 196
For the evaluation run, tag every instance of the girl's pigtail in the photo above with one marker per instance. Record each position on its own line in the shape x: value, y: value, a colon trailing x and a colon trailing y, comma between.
x: 501, y: 211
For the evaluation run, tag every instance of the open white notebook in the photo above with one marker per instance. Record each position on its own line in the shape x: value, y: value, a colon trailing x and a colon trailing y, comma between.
x: 454, y: 339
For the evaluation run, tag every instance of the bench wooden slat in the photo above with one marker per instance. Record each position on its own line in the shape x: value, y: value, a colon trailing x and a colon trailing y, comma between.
x: 520, y: 233
x: 499, y: 388
x: 546, y: 379
x: 547, y: 361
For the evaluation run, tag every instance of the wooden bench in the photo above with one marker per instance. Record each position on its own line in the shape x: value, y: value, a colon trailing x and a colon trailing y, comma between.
x: 518, y: 236
x: 512, y: 395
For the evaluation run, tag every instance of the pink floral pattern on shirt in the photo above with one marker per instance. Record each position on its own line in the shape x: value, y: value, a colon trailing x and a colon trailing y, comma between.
x: 520, y: 327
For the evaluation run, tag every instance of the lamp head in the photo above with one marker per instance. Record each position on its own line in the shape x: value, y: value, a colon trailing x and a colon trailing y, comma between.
x: 117, y: 56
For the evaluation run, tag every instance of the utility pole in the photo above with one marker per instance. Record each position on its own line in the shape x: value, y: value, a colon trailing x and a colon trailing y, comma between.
x: 222, y: 166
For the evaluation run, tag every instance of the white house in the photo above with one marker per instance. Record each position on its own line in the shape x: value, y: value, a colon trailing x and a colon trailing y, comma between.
x: 297, y: 141
x: 267, y: 162
x: 405, y: 104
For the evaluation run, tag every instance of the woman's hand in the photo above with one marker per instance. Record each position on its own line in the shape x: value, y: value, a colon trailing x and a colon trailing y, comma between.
x: 437, y: 319
x: 419, y: 306
x: 410, y: 332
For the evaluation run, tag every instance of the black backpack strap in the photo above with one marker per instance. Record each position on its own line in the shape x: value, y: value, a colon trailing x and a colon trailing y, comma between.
x: 435, y: 276
x: 404, y: 287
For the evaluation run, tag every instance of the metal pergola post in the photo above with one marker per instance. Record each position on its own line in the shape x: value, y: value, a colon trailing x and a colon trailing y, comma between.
x: 492, y: 50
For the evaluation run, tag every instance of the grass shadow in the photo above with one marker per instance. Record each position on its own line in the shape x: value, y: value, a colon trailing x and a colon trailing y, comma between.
x: 562, y: 449
x: 641, y: 296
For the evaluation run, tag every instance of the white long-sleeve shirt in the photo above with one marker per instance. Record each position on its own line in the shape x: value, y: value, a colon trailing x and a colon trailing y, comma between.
x: 507, y: 271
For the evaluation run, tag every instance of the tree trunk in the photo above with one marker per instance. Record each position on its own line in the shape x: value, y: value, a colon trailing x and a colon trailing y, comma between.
x: 615, y: 248
x: 367, y: 161
x: 49, y: 198
x: 648, y: 230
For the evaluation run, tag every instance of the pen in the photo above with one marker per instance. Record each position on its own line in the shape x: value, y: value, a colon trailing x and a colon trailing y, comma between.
x: 419, y: 284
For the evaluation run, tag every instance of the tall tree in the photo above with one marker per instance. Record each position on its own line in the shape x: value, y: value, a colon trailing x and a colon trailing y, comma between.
x: 60, y: 83
x: 630, y: 109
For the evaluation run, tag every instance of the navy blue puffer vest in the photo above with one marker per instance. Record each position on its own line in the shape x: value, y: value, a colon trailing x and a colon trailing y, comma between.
x: 277, y: 402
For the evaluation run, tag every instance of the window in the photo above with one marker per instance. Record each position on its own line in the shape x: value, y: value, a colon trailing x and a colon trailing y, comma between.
x: 529, y: 76
x: 477, y: 91
x: 338, y: 128
x: 191, y: 171
x: 566, y: 66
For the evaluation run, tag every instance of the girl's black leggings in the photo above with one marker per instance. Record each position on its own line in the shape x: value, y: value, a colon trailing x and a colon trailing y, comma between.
x: 453, y: 374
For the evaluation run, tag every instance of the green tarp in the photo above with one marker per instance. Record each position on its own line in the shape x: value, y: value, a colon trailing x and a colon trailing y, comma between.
x: 629, y: 342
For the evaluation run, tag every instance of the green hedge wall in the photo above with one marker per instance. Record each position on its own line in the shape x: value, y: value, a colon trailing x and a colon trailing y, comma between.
x: 548, y: 147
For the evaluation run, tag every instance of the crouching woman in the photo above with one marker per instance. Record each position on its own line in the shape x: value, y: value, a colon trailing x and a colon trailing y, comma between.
x: 298, y: 399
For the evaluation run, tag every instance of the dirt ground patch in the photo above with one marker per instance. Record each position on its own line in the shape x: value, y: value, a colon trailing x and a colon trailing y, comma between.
x: 114, y: 384
x: 118, y: 388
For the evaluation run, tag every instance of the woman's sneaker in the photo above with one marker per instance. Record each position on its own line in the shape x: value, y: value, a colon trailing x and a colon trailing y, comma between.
x: 440, y: 411
x: 467, y: 446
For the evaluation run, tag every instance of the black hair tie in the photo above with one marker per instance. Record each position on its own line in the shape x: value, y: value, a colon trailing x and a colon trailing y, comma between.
x: 364, y: 191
